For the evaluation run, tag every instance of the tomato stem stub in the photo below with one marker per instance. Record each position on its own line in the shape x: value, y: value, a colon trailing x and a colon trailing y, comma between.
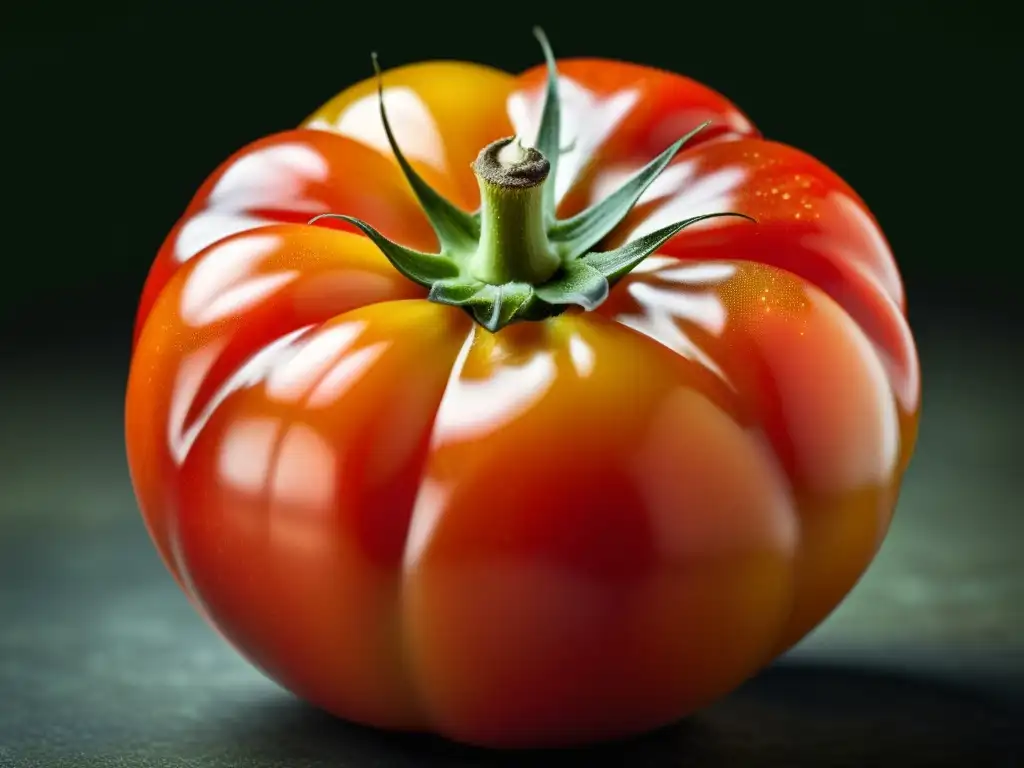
x: 514, y: 260
x: 513, y: 245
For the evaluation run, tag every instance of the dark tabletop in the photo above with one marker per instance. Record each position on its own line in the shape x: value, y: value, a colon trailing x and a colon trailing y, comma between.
x: 103, y: 662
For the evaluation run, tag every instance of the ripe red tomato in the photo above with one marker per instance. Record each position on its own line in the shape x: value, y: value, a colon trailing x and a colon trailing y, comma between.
x: 577, y: 526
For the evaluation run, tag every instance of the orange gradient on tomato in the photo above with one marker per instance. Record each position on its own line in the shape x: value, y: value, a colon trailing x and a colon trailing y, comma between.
x: 573, y: 529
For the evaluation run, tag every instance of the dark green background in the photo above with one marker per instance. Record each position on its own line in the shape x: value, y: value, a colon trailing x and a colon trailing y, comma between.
x: 108, y: 123
x: 111, y: 121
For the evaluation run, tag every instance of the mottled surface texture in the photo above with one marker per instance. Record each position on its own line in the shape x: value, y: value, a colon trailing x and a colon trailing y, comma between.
x: 102, y: 661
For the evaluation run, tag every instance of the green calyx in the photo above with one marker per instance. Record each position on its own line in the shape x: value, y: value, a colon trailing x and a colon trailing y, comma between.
x: 513, y: 259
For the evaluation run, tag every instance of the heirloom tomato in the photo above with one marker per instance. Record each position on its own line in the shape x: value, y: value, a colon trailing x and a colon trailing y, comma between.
x: 523, y: 409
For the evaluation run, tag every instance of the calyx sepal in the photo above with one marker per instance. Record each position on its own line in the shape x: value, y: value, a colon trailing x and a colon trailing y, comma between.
x: 420, y: 267
x: 577, y: 283
x: 492, y: 306
x: 578, y: 234
x: 455, y: 229
x: 619, y: 262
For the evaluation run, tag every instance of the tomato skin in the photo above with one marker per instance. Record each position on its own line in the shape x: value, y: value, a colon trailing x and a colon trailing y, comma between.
x: 288, y: 177
x: 570, y: 530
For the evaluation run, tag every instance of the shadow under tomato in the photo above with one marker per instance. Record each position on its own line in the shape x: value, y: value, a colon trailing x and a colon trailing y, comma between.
x: 794, y: 714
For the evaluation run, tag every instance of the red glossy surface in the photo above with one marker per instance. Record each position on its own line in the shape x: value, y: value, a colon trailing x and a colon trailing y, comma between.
x: 574, y: 529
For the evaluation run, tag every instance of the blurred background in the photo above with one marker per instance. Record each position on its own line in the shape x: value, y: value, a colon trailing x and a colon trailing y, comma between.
x: 111, y: 119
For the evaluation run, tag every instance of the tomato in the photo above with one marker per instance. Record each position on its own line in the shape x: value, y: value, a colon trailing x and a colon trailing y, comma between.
x: 567, y: 524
